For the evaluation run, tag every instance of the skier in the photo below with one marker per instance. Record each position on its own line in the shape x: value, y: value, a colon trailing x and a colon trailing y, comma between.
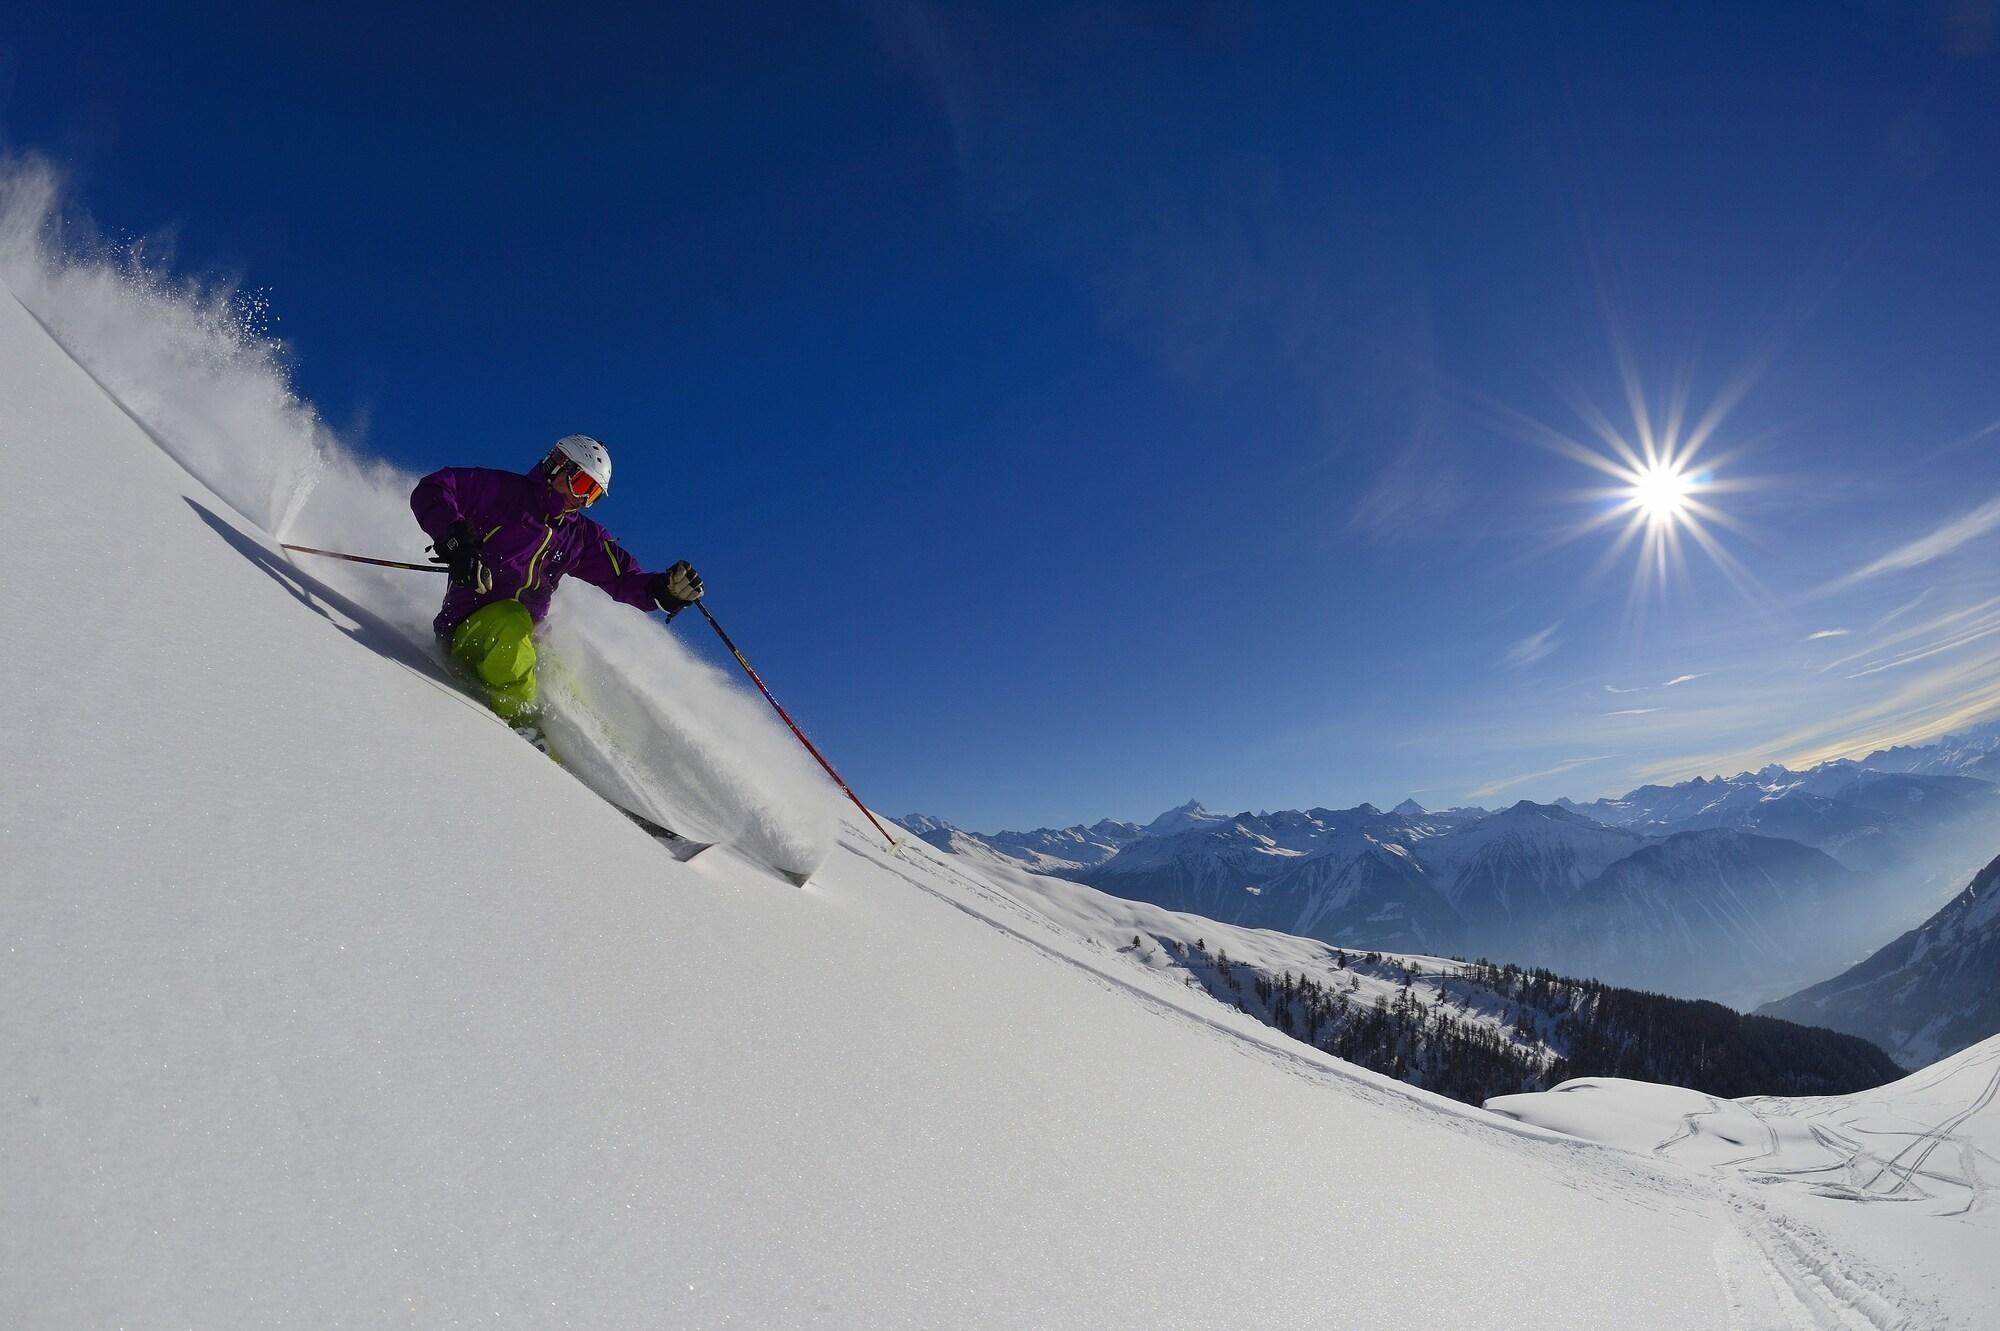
x: 506, y: 540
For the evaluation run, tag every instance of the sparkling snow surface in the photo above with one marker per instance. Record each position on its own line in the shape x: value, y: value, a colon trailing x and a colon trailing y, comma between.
x: 326, y: 1002
x: 1904, y: 1172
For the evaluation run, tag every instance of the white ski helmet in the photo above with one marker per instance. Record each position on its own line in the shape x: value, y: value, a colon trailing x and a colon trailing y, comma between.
x: 590, y: 455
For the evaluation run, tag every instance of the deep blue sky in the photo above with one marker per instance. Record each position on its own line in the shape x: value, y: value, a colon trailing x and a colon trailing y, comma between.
x: 1077, y: 408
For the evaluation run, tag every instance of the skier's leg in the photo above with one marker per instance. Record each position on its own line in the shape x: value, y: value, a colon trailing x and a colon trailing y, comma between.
x: 497, y: 644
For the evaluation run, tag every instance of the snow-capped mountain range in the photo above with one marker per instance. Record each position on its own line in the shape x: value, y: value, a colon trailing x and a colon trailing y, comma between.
x: 1057, y: 850
x: 1928, y: 994
x: 1973, y: 752
x: 1867, y: 818
x: 1062, y: 850
x: 1739, y: 888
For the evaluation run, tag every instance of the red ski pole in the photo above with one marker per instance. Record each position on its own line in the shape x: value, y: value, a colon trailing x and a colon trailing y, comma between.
x: 785, y: 716
x: 364, y: 559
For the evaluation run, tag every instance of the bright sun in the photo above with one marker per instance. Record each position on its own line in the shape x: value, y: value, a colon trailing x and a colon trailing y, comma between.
x: 1660, y: 500
x: 1660, y: 491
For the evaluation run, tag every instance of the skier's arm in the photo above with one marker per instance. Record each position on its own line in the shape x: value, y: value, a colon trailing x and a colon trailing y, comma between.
x: 607, y: 564
x: 453, y: 494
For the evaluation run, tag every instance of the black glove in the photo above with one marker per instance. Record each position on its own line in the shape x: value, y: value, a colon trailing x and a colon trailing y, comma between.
x: 676, y: 589
x: 458, y: 551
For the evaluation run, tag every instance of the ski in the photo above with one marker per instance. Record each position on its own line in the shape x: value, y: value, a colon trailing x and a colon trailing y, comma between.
x: 680, y: 847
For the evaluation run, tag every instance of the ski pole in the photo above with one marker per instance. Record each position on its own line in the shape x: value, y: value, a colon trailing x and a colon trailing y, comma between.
x: 786, y: 717
x: 364, y: 559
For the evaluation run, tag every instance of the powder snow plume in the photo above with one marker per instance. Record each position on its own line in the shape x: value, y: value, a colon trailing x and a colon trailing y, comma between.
x: 636, y: 712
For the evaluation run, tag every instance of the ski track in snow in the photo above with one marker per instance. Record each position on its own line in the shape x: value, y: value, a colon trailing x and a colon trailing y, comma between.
x: 1868, y: 1174
x: 1765, y: 1152
x: 1790, y: 1276
x: 1913, y: 1148
x: 1690, y: 1124
x: 1781, y: 1276
x: 1935, y: 1137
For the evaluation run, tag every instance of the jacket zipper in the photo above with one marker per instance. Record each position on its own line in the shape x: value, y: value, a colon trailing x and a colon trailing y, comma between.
x: 547, y: 536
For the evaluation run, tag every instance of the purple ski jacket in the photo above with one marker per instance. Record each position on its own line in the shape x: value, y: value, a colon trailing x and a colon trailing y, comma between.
x: 529, y: 543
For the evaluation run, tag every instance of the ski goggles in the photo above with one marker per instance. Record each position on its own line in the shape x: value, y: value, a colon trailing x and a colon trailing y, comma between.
x: 584, y: 486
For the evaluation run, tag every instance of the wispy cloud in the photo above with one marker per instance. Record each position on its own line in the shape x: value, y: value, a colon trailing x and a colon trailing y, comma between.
x: 1633, y: 711
x: 1984, y: 431
x: 1934, y: 649
x: 1935, y: 545
x: 1412, y: 494
x: 1532, y: 648
x: 1567, y: 764
x: 1677, y: 679
x: 1980, y: 613
x: 1929, y: 705
x: 1901, y: 610
x: 1826, y: 633
x: 1923, y: 707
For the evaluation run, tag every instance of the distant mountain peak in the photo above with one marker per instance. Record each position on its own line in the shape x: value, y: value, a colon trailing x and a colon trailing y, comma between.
x: 921, y: 823
x: 1409, y: 808
x: 1556, y: 811
x: 1183, y: 818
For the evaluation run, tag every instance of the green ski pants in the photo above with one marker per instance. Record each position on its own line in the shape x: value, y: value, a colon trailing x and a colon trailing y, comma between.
x: 497, y: 644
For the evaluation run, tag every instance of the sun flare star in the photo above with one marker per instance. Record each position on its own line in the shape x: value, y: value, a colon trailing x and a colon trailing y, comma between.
x: 1662, y: 487
x: 1662, y: 503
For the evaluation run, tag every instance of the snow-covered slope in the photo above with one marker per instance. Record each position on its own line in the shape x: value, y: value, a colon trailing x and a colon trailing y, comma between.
x: 1193, y: 950
x: 1926, y: 995
x: 1906, y: 1165
x: 329, y: 1003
